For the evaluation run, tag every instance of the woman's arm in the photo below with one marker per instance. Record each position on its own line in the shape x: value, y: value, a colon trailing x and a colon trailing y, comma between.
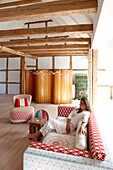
x: 68, y: 125
x: 82, y: 128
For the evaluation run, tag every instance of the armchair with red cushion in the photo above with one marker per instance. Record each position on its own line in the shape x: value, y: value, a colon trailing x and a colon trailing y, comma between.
x: 22, y: 111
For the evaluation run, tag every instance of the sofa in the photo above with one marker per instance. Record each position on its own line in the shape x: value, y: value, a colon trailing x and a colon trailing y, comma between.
x: 52, y: 156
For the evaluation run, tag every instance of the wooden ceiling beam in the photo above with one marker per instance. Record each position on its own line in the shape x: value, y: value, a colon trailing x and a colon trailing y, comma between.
x: 51, y: 47
x: 49, y: 54
x: 60, y: 54
x: 8, y: 4
x: 12, y: 51
x: 56, y: 51
x: 58, y: 30
x: 45, y: 41
x: 52, y: 51
x: 49, y: 9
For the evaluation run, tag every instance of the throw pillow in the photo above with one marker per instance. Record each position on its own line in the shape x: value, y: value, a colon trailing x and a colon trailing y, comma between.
x: 21, y: 102
x: 42, y: 114
x: 80, y: 139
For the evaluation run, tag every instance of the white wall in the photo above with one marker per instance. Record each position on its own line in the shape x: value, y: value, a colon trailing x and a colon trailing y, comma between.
x: 105, y: 61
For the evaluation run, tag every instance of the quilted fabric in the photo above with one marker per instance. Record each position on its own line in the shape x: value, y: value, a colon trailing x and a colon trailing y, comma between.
x: 64, y: 111
x: 95, y: 140
x: 60, y: 149
x: 23, y: 115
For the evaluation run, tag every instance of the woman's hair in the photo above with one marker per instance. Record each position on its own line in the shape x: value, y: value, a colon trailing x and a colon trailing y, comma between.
x: 86, y: 103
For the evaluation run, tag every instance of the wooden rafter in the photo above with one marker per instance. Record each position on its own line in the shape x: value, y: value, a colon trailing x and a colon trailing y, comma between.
x: 49, y: 9
x: 45, y: 41
x: 8, y: 4
x: 46, y: 54
x: 58, y: 30
x: 60, y: 54
x: 12, y: 51
x: 51, y: 47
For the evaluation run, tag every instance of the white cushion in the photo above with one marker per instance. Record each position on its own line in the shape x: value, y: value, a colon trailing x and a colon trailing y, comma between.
x: 80, y: 139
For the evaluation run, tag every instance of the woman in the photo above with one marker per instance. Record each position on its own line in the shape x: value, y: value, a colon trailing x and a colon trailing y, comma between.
x: 71, y: 122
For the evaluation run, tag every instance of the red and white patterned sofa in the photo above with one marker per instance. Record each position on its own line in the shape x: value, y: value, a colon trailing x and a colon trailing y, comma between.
x: 46, y: 156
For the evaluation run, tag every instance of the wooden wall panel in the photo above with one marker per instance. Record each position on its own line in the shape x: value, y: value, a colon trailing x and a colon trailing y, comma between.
x: 56, y: 87
x: 50, y: 87
x: 29, y: 79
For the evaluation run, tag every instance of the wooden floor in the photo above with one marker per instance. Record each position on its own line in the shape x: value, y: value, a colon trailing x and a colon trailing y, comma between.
x: 13, y: 137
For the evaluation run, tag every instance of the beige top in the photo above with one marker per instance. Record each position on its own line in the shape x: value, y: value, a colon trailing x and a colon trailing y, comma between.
x: 76, y: 117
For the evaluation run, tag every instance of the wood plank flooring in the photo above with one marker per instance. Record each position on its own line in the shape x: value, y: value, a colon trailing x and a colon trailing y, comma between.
x: 13, y: 137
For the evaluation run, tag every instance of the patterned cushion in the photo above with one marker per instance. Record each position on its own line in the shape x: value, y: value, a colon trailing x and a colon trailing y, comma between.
x: 21, y: 102
x: 65, y: 140
x: 64, y: 111
x: 42, y: 114
x: 95, y: 141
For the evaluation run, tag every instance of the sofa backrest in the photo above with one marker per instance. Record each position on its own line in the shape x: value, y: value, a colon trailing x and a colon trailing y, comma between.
x: 96, y: 146
x: 21, y: 96
x: 64, y: 111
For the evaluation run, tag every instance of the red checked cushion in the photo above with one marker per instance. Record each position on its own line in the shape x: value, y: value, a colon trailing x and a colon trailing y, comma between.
x: 21, y: 102
x: 64, y: 111
x: 95, y: 141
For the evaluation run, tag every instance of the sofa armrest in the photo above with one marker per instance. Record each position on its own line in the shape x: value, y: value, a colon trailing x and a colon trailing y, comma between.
x: 95, y: 141
x: 60, y: 149
x: 64, y: 111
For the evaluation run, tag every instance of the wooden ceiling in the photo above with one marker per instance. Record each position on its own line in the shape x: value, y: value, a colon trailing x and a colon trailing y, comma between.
x: 60, y: 44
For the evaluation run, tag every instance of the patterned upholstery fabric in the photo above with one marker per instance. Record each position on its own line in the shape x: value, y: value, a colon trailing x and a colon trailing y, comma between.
x: 65, y: 140
x: 21, y: 114
x: 64, y: 111
x: 95, y: 140
x: 21, y: 96
x: 60, y: 149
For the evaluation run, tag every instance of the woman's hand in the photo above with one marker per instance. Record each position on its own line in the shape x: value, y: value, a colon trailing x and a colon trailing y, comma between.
x: 82, y: 130
x: 68, y: 128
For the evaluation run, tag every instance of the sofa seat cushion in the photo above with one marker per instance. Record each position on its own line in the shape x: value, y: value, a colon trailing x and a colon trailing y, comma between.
x: 65, y: 140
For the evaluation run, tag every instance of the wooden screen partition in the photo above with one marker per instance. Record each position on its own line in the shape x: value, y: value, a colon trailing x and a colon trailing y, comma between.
x: 48, y: 86
x: 29, y: 83
x: 42, y: 86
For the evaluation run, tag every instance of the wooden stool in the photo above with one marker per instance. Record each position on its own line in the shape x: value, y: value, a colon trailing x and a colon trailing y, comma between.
x: 35, y: 124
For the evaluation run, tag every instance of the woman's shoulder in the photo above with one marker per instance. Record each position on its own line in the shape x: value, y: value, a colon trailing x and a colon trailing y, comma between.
x: 86, y: 112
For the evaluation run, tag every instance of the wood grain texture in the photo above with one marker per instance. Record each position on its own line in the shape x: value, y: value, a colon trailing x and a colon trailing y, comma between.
x: 51, y: 47
x: 58, y: 30
x: 50, y: 86
x: 44, y: 41
x: 12, y: 51
x: 13, y: 137
x: 49, y: 9
x: 29, y: 79
x: 15, y: 3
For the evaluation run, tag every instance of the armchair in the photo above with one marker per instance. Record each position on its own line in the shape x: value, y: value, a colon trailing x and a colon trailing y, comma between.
x: 22, y: 111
